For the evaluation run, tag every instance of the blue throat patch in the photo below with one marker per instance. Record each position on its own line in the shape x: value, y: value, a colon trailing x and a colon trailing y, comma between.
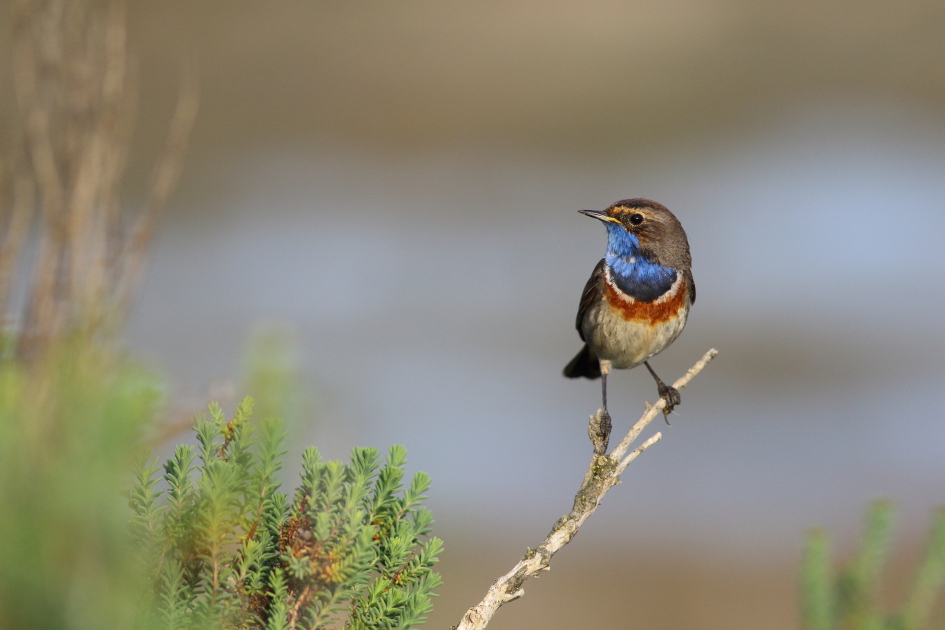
x: 639, y: 277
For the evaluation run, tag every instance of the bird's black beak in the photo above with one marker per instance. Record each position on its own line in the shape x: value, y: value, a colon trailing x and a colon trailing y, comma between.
x: 599, y: 215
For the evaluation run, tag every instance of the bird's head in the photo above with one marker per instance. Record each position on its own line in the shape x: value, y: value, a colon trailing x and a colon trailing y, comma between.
x: 640, y: 227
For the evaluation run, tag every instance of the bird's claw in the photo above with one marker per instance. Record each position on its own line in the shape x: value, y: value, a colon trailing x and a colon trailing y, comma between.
x: 670, y: 396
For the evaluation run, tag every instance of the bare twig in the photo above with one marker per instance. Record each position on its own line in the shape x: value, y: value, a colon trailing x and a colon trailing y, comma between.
x: 15, y: 230
x: 164, y: 181
x: 602, y: 473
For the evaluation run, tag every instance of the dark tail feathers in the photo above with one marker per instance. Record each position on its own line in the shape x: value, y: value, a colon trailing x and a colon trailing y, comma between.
x: 584, y: 364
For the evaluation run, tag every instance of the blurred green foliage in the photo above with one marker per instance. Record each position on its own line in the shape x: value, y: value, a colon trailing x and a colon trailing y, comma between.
x: 212, y: 542
x: 70, y: 424
x: 271, y: 373
x: 852, y: 599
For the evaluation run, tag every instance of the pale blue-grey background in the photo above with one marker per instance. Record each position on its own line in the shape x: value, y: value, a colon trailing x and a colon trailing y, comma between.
x: 398, y: 186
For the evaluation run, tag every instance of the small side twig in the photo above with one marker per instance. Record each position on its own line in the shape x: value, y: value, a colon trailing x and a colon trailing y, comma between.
x: 603, y: 472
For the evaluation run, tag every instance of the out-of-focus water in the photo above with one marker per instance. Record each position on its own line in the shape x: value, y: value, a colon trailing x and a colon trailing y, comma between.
x: 434, y: 300
x: 398, y: 184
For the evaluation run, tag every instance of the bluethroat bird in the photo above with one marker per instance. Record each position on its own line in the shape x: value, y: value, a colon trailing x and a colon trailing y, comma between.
x: 638, y: 298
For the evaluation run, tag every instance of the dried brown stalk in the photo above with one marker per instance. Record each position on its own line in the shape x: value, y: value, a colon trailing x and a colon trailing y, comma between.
x: 75, y: 89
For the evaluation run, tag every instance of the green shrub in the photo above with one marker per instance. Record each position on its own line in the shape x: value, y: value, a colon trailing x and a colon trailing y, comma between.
x: 70, y: 424
x: 852, y: 599
x: 213, y: 542
x: 227, y: 549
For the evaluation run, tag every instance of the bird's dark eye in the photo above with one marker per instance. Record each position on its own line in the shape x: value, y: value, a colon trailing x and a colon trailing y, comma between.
x: 636, y: 219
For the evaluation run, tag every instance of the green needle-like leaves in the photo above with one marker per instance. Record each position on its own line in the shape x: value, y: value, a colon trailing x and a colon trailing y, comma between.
x: 227, y: 549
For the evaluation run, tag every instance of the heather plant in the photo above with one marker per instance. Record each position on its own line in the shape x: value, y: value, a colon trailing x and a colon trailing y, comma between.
x: 226, y: 549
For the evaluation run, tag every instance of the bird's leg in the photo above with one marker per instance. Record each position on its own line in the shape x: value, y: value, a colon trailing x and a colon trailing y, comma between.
x: 604, y: 370
x: 667, y: 393
x: 599, y: 429
x: 603, y: 384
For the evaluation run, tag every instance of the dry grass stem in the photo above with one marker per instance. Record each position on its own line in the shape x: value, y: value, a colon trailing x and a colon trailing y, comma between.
x: 76, y: 93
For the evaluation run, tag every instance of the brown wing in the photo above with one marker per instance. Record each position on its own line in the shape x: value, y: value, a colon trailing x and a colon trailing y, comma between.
x: 591, y: 294
x: 691, y: 284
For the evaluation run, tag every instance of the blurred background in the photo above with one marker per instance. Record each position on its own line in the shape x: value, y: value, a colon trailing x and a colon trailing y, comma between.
x: 397, y: 185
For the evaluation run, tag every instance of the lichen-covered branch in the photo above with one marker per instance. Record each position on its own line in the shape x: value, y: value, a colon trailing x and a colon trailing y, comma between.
x: 603, y: 472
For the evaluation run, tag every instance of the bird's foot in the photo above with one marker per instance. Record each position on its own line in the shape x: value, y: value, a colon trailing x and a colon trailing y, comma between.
x: 670, y: 396
x: 599, y: 431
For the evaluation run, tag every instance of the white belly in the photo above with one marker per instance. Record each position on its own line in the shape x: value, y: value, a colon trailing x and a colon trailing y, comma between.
x: 627, y: 344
